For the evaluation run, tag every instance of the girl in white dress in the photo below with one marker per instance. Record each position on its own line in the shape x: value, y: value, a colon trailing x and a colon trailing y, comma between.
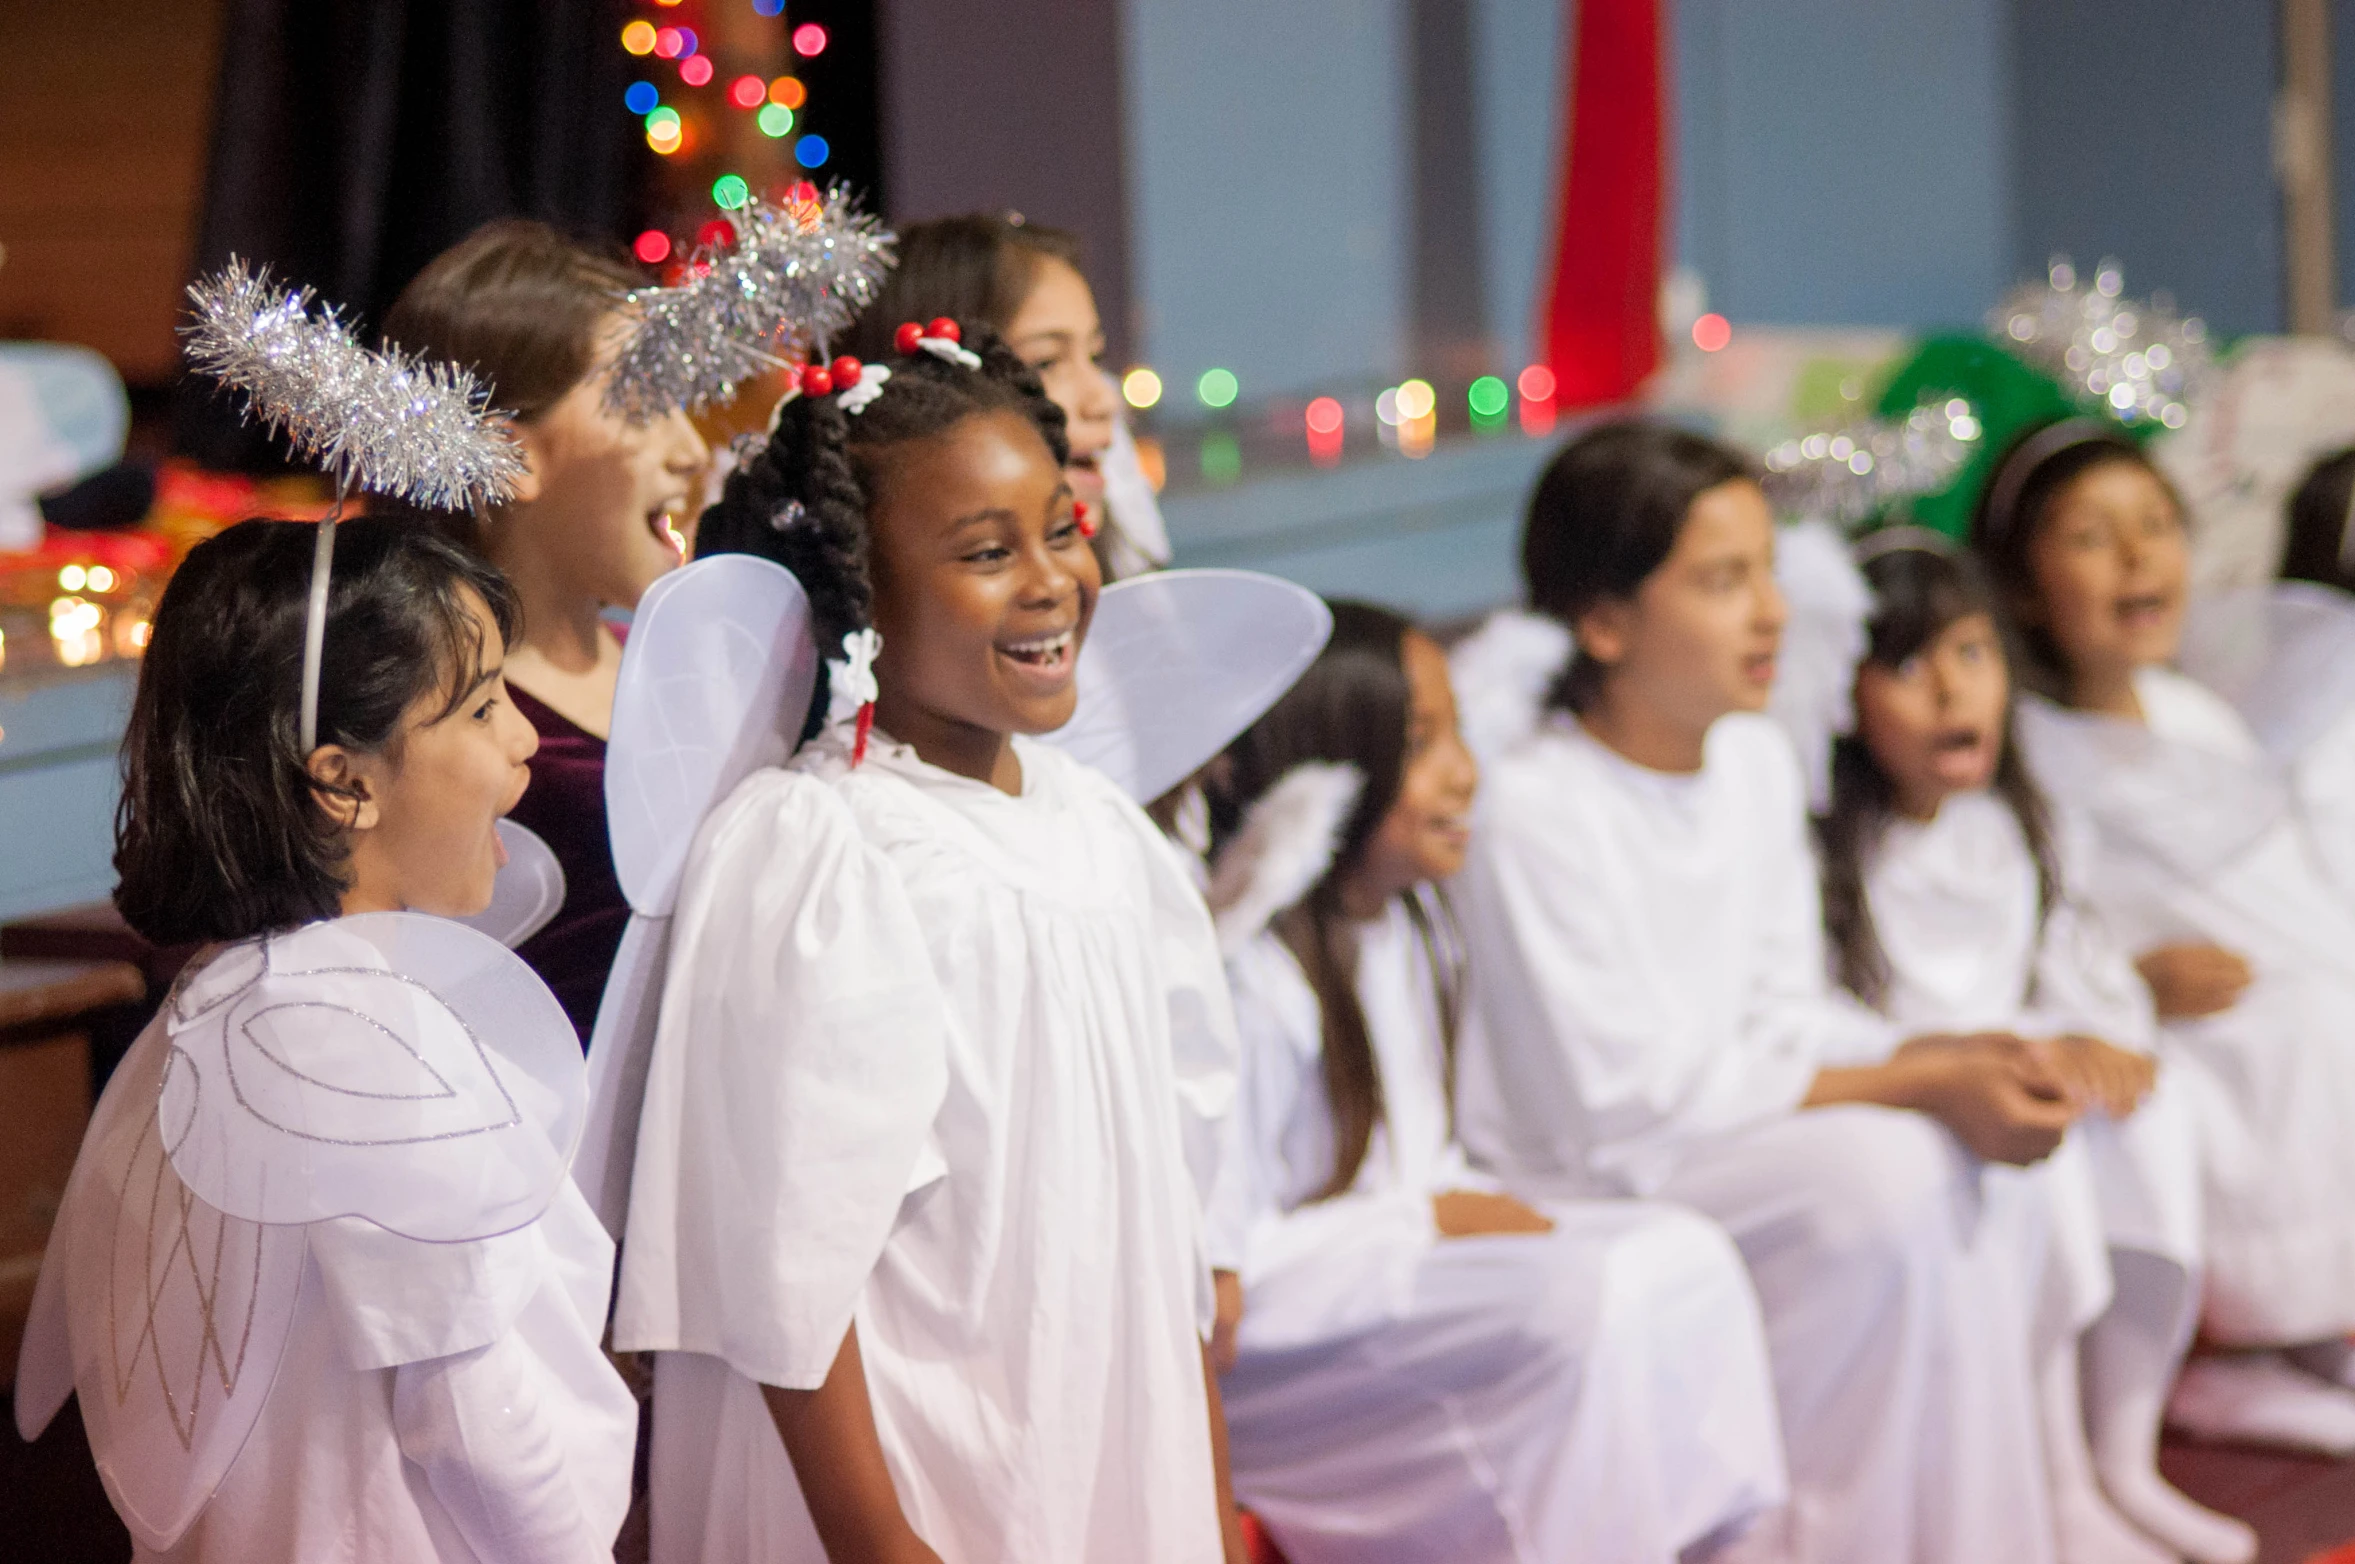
x: 945, y: 1058
x: 1950, y: 902
x: 2203, y: 869
x: 1655, y: 1019
x: 1428, y: 1367
x: 320, y: 1278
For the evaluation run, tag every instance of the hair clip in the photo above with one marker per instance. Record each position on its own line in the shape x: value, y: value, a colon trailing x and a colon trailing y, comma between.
x: 1085, y: 520
x: 857, y: 384
x: 941, y: 337
x: 787, y: 516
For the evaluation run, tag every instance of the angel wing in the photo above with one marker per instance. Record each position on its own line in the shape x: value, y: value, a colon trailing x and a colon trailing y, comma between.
x: 528, y: 891
x: 1824, y: 639
x: 1179, y: 662
x: 2284, y: 655
x: 718, y: 673
x: 1284, y: 848
x: 1502, y: 673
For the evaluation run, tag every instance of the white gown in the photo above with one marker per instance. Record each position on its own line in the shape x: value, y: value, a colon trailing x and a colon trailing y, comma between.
x: 2197, y: 842
x: 331, y: 1389
x: 1599, y: 1393
x: 1649, y: 976
x: 954, y: 1065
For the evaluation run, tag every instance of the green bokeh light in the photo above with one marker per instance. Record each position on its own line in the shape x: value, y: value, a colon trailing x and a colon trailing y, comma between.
x: 1222, y: 458
x: 776, y: 120
x: 1217, y: 388
x: 729, y: 190
x: 1487, y: 399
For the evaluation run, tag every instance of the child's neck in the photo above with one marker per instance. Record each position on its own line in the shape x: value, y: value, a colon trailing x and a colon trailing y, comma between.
x: 2107, y: 692
x: 960, y: 748
x: 1640, y: 731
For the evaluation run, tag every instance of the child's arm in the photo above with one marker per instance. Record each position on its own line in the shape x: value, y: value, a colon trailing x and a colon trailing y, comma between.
x: 1991, y: 1090
x: 473, y: 1424
x: 1230, y: 1520
x: 830, y: 1436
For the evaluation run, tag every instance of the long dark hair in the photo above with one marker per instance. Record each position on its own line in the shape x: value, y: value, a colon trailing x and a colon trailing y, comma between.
x: 1605, y: 514
x: 801, y: 498
x: 978, y: 267
x: 1918, y: 593
x: 219, y: 834
x: 2317, y: 546
x: 1351, y: 706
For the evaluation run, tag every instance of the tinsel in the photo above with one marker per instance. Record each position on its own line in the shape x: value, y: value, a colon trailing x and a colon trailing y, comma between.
x: 791, y: 276
x: 1849, y: 475
x: 2141, y: 361
x: 381, y: 421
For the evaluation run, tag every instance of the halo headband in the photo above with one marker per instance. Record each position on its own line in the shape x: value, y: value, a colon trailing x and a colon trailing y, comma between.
x: 2013, y: 473
x: 1902, y: 540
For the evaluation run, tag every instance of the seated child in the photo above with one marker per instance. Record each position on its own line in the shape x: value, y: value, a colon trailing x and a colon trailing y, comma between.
x: 1950, y: 905
x: 945, y: 1056
x: 328, y: 1290
x: 1431, y: 1368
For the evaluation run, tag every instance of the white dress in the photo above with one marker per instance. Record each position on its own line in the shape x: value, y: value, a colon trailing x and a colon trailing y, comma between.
x: 1649, y: 974
x: 1598, y: 1393
x: 954, y: 1065
x: 2198, y: 842
x: 331, y: 1389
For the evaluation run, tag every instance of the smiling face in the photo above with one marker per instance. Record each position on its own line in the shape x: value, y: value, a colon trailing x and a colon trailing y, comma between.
x: 424, y: 826
x: 1428, y: 828
x: 1934, y: 723
x: 2109, y: 565
x: 1057, y: 333
x: 1698, y: 637
x: 609, y: 505
x: 984, y: 587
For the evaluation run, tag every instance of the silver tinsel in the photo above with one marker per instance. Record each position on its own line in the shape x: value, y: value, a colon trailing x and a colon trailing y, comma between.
x: 379, y: 421
x: 2141, y: 361
x: 795, y: 275
x: 1851, y: 474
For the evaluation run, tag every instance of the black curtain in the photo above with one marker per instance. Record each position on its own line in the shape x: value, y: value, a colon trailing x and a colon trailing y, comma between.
x: 356, y: 139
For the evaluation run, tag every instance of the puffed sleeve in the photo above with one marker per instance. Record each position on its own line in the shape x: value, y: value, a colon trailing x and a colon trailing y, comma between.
x: 800, y: 1060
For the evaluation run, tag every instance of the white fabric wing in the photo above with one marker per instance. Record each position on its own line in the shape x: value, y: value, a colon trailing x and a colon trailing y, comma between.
x: 2284, y: 655
x: 1179, y: 662
x: 528, y: 891
x: 621, y: 1046
x: 1502, y: 673
x: 1129, y: 493
x: 1285, y: 846
x: 713, y: 686
x: 391, y: 1066
x: 1824, y: 640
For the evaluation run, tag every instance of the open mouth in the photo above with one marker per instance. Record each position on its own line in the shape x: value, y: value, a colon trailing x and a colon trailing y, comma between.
x: 1046, y: 655
x: 1960, y: 755
x: 2141, y: 610
x: 1759, y: 668
x: 664, y: 522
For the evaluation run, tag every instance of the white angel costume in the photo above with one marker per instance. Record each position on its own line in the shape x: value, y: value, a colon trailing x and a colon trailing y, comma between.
x: 1599, y: 1392
x: 1652, y: 1003
x: 952, y: 1064
x: 321, y: 1280
x: 2199, y: 842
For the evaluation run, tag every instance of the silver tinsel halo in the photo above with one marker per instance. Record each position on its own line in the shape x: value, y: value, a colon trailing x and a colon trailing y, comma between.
x: 2142, y: 361
x: 794, y: 275
x: 380, y: 421
x: 1851, y: 474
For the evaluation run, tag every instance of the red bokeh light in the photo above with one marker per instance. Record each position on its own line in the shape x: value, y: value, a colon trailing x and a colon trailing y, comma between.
x: 653, y: 247
x: 1324, y: 416
x: 670, y: 43
x: 748, y: 92
x: 1712, y: 332
x: 695, y: 69
x: 809, y: 40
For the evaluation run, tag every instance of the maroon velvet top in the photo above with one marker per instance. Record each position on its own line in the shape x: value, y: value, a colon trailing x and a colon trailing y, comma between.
x: 565, y: 807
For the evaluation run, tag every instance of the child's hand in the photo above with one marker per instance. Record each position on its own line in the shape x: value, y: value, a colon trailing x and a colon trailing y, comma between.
x: 1469, y: 1213
x: 2190, y: 981
x: 1229, y: 1290
x: 2098, y: 1075
x: 2000, y: 1099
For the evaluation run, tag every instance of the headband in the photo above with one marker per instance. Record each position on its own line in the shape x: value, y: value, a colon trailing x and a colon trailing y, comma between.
x: 2020, y: 464
x: 1902, y: 540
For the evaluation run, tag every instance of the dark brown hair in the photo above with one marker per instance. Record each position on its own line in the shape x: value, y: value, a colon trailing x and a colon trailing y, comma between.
x: 1917, y: 593
x: 518, y: 304
x: 978, y: 267
x: 1605, y: 514
x: 219, y: 834
x: 1351, y: 706
x: 2316, y: 548
x: 801, y: 497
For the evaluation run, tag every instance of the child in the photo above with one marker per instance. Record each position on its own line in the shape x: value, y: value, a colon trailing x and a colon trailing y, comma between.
x: 599, y: 518
x: 944, y: 1056
x: 2202, y: 869
x: 306, y: 1377
x: 1655, y: 1020
x: 1023, y: 280
x: 1949, y: 898
x: 1431, y: 1368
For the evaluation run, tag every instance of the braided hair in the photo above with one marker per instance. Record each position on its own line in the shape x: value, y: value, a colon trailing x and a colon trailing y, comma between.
x: 801, y: 499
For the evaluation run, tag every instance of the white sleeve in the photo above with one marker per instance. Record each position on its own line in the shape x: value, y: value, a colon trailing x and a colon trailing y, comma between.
x: 1795, y: 1011
x: 1202, y: 1044
x: 2084, y: 980
x: 800, y: 1061
x: 475, y: 1425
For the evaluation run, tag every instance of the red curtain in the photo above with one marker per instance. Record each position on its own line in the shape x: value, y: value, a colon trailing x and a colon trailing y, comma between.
x: 1601, y: 328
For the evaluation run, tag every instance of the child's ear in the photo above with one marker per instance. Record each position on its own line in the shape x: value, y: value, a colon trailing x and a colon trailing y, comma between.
x: 342, y: 783
x: 1602, y: 631
x: 533, y: 446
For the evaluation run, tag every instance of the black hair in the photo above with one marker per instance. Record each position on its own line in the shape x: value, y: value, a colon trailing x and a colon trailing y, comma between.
x: 219, y: 834
x: 1605, y: 514
x: 801, y: 498
x: 2014, y: 508
x: 977, y: 268
x: 2316, y: 548
x: 1350, y: 706
x: 1917, y: 594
